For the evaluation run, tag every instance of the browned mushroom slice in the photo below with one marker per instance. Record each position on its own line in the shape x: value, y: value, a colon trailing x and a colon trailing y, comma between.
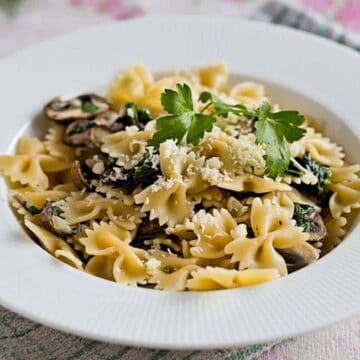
x: 77, y: 176
x: 299, y: 256
x: 311, y: 221
x: 52, y: 221
x: 109, y: 121
x: 82, y: 107
x: 149, y: 227
x: 90, y: 133
x: 318, y: 229
x: 85, y: 133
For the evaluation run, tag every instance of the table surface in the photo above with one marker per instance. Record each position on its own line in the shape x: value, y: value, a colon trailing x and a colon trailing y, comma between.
x: 25, y: 22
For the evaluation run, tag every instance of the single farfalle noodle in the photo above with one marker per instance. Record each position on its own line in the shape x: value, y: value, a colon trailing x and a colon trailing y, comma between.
x: 31, y: 164
x: 128, y: 146
x: 321, y: 148
x: 273, y: 229
x: 215, y: 278
x: 55, y: 245
x: 54, y: 144
x: 114, y: 258
x: 166, y: 201
x: 345, y: 185
x: 213, y: 232
x: 249, y: 93
x: 130, y: 86
x: 169, y: 272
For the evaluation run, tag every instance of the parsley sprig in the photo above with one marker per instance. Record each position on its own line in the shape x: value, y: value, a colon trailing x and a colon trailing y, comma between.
x: 183, y: 120
x: 274, y: 129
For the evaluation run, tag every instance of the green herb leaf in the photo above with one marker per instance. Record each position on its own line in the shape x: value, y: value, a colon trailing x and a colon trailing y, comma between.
x: 272, y: 129
x: 134, y: 115
x: 145, y: 174
x: 198, y: 126
x: 89, y: 107
x: 168, y: 269
x: 277, y: 150
x: 322, y: 172
x: 223, y: 109
x: 302, y: 216
x: 82, y: 127
x: 177, y: 102
x: 183, y: 119
x: 56, y: 211
x: 170, y: 127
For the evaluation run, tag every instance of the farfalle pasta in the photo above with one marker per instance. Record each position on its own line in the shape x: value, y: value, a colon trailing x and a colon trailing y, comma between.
x: 182, y: 183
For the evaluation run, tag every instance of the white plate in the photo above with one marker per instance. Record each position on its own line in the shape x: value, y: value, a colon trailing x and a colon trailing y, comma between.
x: 315, y: 76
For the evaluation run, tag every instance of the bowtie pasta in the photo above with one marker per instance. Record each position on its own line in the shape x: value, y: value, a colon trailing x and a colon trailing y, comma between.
x: 151, y: 186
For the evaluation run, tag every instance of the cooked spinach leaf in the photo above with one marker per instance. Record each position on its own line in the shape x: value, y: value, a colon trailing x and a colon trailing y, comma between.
x: 82, y: 127
x: 168, y: 269
x: 319, y: 191
x: 302, y: 216
x: 322, y: 172
x: 134, y: 115
x: 144, y: 174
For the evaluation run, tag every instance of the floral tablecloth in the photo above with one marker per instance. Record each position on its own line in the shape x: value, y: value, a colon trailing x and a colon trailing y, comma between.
x: 23, y: 22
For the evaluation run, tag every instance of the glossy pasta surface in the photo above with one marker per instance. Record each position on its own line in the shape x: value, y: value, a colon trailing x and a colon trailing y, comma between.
x: 180, y: 216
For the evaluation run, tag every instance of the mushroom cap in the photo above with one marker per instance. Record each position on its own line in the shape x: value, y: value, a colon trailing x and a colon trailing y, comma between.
x: 91, y: 132
x: 299, y: 256
x: 84, y: 106
x: 53, y: 222
x: 85, y: 133
x: 318, y: 229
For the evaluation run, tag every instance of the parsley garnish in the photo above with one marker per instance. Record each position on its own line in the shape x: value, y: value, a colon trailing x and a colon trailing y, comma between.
x: 223, y: 109
x: 89, y: 107
x: 168, y: 269
x: 183, y: 120
x: 274, y: 129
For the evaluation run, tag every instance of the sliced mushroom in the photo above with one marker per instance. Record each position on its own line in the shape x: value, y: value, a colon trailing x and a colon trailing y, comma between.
x: 84, y: 106
x: 109, y: 120
x: 90, y: 133
x: 318, y: 229
x: 149, y: 227
x: 299, y: 256
x: 85, y: 133
x: 78, y: 177
x: 51, y: 220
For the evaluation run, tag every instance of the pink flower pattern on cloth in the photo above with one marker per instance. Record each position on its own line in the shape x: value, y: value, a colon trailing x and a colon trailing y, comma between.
x: 118, y: 9
x: 347, y: 12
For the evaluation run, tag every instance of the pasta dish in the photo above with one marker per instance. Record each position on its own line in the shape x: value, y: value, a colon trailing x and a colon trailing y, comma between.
x: 184, y: 182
